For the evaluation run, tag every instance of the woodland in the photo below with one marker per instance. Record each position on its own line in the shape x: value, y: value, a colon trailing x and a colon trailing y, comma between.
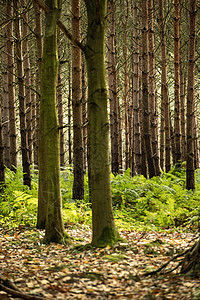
x: 99, y: 149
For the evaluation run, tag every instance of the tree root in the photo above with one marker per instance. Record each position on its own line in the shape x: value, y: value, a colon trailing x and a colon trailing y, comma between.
x: 9, y: 287
x: 190, y: 264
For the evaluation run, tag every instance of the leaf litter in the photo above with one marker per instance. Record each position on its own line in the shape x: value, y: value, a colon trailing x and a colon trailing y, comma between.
x: 64, y: 272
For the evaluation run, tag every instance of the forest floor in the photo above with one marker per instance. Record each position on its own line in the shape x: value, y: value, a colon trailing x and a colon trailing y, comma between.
x: 63, y: 272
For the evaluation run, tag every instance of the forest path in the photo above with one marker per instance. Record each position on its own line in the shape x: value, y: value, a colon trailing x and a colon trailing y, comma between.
x: 61, y: 272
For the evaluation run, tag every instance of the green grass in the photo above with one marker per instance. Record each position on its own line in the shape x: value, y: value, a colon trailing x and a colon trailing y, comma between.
x: 139, y: 203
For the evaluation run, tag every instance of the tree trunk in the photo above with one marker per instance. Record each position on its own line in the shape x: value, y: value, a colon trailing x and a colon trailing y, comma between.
x: 136, y: 91
x: 78, y: 183
x: 125, y: 92
x: 104, y: 231
x: 27, y: 79
x: 11, y: 90
x: 112, y: 77
x: 5, y: 113
x: 177, y: 124
x: 85, y: 116
x: 69, y: 118
x: 39, y: 44
x: 49, y: 194
x: 190, y: 180
x: 21, y: 96
x: 2, y: 167
x: 165, y: 108
x: 60, y: 111
x: 152, y: 90
x: 145, y: 90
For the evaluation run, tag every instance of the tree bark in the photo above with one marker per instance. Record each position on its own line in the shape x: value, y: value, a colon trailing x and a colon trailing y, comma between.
x: 49, y: 194
x: 152, y: 90
x: 177, y: 118
x: 39, y: 45
x: 190, y: 180
x: 113, y: 97
x: 136, y: 90
x: 145, y: 90
x: 104, y: 231
x: 78, y: 183
x: 11, y: 89
x: 27, y: 79
x: 21, y: 96
x: 5, y: 113
x: 165, y: 108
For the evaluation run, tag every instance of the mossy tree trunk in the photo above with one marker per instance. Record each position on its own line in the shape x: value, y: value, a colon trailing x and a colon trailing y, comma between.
x: 104, y: 231
x: 49, y: 197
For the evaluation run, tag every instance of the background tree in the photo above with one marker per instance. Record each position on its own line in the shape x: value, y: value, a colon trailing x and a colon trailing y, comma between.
x: 145, y: 90
x: 11, y: 88
x: 165, y: 107
x: 113, y: 97
x: 21, y: 96
x: 78, y: 184
x: 190, y: 180
x: 177, y: 115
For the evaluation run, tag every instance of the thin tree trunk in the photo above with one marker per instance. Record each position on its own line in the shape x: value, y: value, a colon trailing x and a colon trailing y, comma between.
x: 39, y: 44
x: 125, y: 93
x: 177, y: 124
x: 5, y: 114
x: 27, y: 79
x: 69, y: 118
x: 60, y: 111
x: 136, y: 91
x: 85, y: 117
x: 21, y: 96
x: 165, y: 108
x: 11, y: 89
x: 2, y: 166
x: 152, y: 90
x: 190, y: 180
x: 78, y: 183
x: 145, y: 82
x: 182, y: 100
x: 112, y: 76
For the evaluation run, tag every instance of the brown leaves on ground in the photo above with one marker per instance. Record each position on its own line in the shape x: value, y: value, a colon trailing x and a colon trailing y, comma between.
x: 63, y: 272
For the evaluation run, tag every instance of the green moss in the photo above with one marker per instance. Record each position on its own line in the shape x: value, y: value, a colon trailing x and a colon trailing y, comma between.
x: 114, y: 257
x: 58, y: 239
x: 109, y: 236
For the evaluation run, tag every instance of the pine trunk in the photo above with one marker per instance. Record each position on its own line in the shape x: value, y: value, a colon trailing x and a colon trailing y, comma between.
x: 21, y: 96
x: 5, y: 113
x: 11, y: 90
x: 49, y: 194
x: 190, y: 180
x: 39, y: 45
x: 136, y: 91
x: 145, y: 90
x: 78, y: 184
x: 177, y: 118
x: 104, y: 231
x: 165, y: 108
x: 112, y: 76
x: 152, y: 90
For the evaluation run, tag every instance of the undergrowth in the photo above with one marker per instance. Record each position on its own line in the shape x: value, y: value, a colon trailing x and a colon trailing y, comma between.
x: 139, y: 203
